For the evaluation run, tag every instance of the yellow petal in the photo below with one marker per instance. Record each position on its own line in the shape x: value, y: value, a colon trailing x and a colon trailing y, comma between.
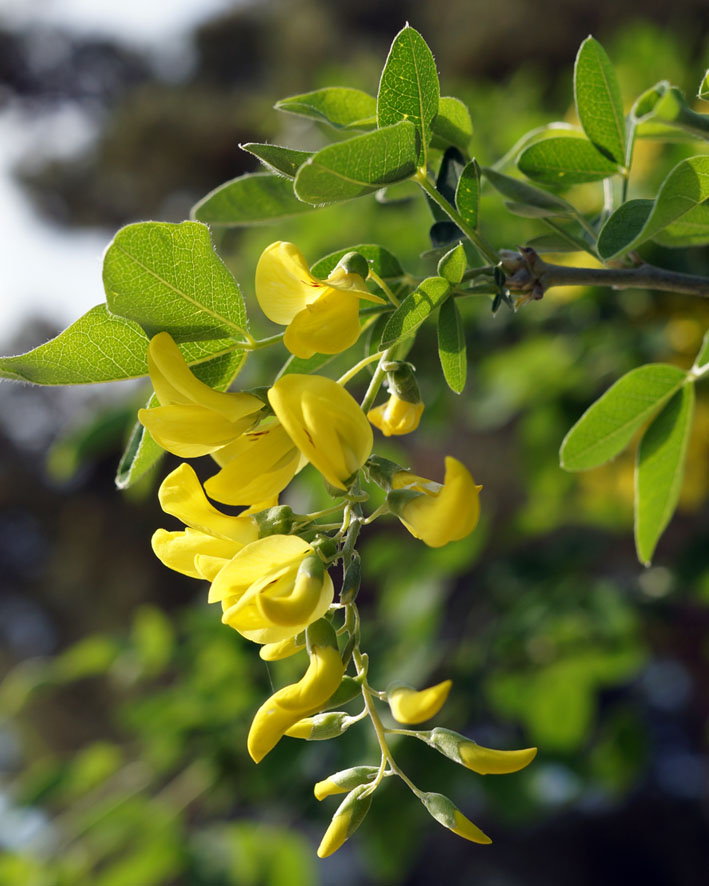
x: 262, y: 463
x: 284, y: 284
x: 464, y: 827
x: 294, y: 702
x: 409, y: 706
x: 396, y: 416
x: 329, y: 325
x: 336, y: 834
x: 487, y: 761
x: 257, y: 561
x: 191, y: 431
x: 325, y: 423
x: 177, y: 550
x: 175, y: 384
x: 283, y: 649
x: 208, y: 566
x: 181, y: 495
x: 449, y: 514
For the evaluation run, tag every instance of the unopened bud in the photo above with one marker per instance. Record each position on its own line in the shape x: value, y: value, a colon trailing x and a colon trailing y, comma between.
x: 382, y: 471
x: 349, y: 816
x: 354, y: 263
x: 411, y: 706
x: 321, y: 726
x: 484, y: 761
x: 344, y: 781
x: 274, y: 521
x: 447, y: 813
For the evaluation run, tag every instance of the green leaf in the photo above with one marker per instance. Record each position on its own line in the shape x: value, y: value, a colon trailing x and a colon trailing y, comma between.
x: 665, y: 104
x: 606, y: 428
x: 552, y: 243
x: 685, y: 188
x: 414, y: 309
x: 279, y: 159
x: 408, y: 89
x: 452, y: 125
x: 565, y: 161
x: 623, y: 225
x: 359, y: 166
x: 338, y: 106
x: 598, y: 100
x: 703, y: 356
x: 453, y: 264
x: 691, y: 230
x: 520, y: 192
x: 255, y: 198
x: 703, y: 91
x: 658, y: 470
x: 383, y: 262
x: 142, y: 452
x: 467, y: 193
x: 168, y: 277
x: 98, y: 347
x: 451, y: 345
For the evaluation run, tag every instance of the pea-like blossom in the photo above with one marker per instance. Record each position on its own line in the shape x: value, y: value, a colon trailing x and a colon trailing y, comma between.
x: 396, y: 416
x: 192, y: 418
x: 435, y: 513
x: 273, y: 589
x: 411, y: 706
x: 322, y: 316
x: 326, y: 424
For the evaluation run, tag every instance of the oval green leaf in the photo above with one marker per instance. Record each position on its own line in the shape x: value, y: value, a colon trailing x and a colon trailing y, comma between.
x: 339, y: 106
x: 467, y: 193
x: 251, y: 199
x: 606, y: 428
x: 452, y: 125
x: 414, y: 309
x: 359, y: 166
x: 451, y: 345
x: 452, y: 265
x: 599, y: 103
x: 409, y: 88
x: 281, y: 160
x: 659, y: 469
x: 622, y: 226
x: 565, y: 160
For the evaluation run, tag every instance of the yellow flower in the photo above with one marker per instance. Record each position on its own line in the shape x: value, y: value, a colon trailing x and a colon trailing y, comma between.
x: 447, y: 814
x: 409, y: 706
x: 273, y: 589
x: 290, y: 704
x: 437, y: 514
x: 210, y: 539
x: 396, y: 416
x: 322, y: 316
x: 192, y: 419
x: 256, y: 467
x: 345, y: 821
x: 325, y: 423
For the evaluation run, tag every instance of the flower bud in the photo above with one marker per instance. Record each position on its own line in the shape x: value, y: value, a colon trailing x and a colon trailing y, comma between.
x: 484, y: 761
x: 382, y: 471
x: 344, y: 781
x: 274, y: 521
x: 409, y: 706
x: 282, y: 649
x: 321, y: 726
x: 352, y: 263
x: 446, y: 813
x: 346, y: 820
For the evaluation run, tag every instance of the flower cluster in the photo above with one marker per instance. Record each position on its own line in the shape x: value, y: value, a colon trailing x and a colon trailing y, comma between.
x: 270, y: 569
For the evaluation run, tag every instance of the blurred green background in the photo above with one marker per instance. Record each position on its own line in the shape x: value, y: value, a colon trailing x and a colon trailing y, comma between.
x: 125, y: 704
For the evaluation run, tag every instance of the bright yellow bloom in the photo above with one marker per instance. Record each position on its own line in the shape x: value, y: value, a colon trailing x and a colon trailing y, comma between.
x: 322, y: 316
x: 211, y: 538
x: 192, y: 419
x: 396, y: 416
x: 325, y: 423
x: 256, y: 467
x: 409, y: 706
x: 290, y: 704
x: 273, y: 589
x: 447, y: 814
x: 438, y: 514
x: 345, y: 821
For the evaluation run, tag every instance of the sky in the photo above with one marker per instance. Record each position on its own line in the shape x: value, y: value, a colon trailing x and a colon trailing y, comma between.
x: 46, y: 270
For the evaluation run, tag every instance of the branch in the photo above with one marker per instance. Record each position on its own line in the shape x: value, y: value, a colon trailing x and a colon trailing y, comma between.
x: 528, y: 273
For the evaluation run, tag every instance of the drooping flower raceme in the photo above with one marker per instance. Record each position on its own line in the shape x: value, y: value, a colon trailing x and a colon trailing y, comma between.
x: 435, y: 513
x: 322, y: 316
x: 192, y: 419
x: 273, y: 589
